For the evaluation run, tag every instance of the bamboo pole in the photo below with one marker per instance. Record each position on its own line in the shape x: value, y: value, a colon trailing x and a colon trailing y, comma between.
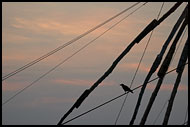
x: 179, y: 70
x: 162, y: 71
x: 156, y: 63
x: 148, y: 29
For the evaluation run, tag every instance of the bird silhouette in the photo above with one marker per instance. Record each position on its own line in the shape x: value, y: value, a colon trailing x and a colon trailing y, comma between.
x: 126, y: 88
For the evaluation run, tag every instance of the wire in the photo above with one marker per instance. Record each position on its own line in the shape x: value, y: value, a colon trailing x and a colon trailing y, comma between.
x: 140, y: 36
x: 171, y: 62
x: 125, y: 97
x: 180, y: 42
x: 121, y: 109
x: 64, y: 45
x: 186, y: 114
x: 116, y: 97
x: 94, y: 108
x: 160, y: 112
x: 69, y: 57
x: 138, y: 65
x: 160, y: 10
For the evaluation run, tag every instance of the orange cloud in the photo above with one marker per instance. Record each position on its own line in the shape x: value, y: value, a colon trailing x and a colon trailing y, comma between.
x: 168, y: 87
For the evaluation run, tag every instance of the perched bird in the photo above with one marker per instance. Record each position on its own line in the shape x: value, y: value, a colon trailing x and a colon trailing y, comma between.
x: 126, y: 88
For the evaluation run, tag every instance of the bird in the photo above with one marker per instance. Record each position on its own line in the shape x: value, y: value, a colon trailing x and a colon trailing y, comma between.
x: 126, y: 88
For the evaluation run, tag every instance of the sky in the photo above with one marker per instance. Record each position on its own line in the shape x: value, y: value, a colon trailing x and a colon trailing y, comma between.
x: 32, y: 29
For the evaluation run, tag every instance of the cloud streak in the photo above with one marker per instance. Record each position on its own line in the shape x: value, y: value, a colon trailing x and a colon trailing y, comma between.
x: 79, y: 82
x: 10, y: 86
x: 129, y: 66
x: 30, y: 30
x: 168, y: 87
x: 45, y: 26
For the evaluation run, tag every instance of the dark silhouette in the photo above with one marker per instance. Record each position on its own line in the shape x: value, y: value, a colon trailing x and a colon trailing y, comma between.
x: 126, y: 88
x: 152, y: 25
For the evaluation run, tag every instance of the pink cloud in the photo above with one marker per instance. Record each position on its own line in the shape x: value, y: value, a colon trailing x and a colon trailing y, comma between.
x: 12, y: 86
x: 14, y: 38
x: 50, y: 26
x: 47, y: 100
x: 74, y: 82
x: 16, y: 57
x: 81, y: 82
x: 56, y: 26
x: 128, y: 66
x: 84, y: 23
x: 168, y: 87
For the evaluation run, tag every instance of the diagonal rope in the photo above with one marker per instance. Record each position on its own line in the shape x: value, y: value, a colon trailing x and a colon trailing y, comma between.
x: 170, y: 63
x: 64, y: 45
x: 186, y: 114
x: 70, y: 56
x: 180, y: 42
x: 116, y: 98
x: 156, y: 63
x: 152, y: 25
x: 138, y: 65
x: 160, y: 112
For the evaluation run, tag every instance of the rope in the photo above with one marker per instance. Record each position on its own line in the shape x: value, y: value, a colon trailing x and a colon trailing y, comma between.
x: 160, y: 112
x: 143, y: 33
x: 171, y: 62
x: 64, y: 45
x: 186, y: 114
x: 70, y: 56
x: 180, y: 42
x: 116, y: 98
x: 138, y: 65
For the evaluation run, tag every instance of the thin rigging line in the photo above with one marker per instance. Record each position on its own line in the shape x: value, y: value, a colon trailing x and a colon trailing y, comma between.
x: 121, y: 109
x: 180, y: 42
x: 138, y: 65
x: 171, y: 63
x: 186, y: 113
x: 64, y: 45
x: 160, y: 112
x: 155, y: 65
x: 117, y: 97
x: 160, y: 10
x: 161, y: 73
x: 70, y: 56
x: 178, y: 46
x: 140, y: 36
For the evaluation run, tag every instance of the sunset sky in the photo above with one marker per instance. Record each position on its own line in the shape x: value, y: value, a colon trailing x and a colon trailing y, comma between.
x: 32, y: 29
